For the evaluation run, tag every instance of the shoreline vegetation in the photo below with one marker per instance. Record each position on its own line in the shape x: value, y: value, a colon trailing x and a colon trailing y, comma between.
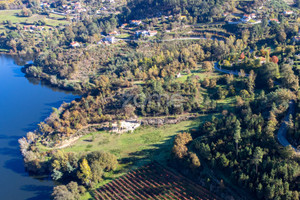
x: 204, y: 123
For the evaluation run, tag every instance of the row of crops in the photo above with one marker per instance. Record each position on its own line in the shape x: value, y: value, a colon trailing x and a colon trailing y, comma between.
x: 153, y: 181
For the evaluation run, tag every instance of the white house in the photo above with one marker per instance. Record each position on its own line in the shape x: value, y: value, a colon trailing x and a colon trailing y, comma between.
x: 75, y: 44
x: 125, y: 126
x: 141, y: 33
x: 107, y: 40
x: 145, y: 33
x: 110, y: 39
x: 288, y: 12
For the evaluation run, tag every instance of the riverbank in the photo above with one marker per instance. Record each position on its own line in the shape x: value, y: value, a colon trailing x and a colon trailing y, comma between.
x: 23, y: 105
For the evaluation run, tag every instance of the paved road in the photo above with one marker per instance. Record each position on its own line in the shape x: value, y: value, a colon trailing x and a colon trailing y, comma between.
x: 227, y: 71
x: 281, y: 135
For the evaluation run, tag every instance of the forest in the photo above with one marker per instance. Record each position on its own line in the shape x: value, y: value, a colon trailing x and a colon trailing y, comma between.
x: 240, y: 82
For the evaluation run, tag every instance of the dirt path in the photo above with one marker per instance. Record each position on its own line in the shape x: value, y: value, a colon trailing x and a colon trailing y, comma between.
x: 69, y: 142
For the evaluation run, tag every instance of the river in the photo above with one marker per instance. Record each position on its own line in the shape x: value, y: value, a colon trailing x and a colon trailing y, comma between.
x: 23, y: 104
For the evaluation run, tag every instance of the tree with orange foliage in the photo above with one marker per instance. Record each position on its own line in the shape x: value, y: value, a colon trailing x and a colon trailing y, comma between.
x: 274, y: 59
x: 242, y: 56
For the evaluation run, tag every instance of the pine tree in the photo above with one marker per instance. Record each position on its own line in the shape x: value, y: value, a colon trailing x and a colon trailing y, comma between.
x: 237, y: 135
x: 257, y: 157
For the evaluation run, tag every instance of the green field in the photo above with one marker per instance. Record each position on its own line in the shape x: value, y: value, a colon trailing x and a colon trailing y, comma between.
x: 200, y: 73
x: 12, y: 15
x: 141, y: 145
x: 135, y: 149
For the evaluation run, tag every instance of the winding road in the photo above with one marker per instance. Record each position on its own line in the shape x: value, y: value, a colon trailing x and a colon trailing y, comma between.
x: 281, y: 135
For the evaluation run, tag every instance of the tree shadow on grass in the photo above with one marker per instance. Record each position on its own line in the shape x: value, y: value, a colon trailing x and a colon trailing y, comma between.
x: 159, y: 152
x: 155, y: 152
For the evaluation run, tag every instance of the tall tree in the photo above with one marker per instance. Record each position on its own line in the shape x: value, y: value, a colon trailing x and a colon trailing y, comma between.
x: 251, y: 81
x: 257, y: 157
x: 237, y: 135
x: 85, y: 173
x: 288, y: 78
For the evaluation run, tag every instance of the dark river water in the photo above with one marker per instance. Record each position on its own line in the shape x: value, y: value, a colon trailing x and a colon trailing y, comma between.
x: 23, y: 104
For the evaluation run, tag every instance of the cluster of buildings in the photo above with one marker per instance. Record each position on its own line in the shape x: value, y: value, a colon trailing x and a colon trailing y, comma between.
x: 251, y: 18
x: 139, y: 33
x: 73, y: 8
x: 67, y: 8
x: 247, y: 18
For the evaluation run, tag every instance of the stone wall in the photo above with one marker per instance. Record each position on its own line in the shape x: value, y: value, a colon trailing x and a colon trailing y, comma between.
x: 166, y: 120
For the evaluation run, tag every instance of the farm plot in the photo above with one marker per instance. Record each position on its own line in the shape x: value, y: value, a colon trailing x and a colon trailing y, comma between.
x: 153, y: 181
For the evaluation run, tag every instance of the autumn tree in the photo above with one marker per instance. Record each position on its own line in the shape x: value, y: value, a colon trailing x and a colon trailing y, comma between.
x: 274, y: 59
x: 194, y: 161
x: 71, y: 191
x: 271, y: 125
x: 179, y: 149
x: 251, y: 82
x: 84, y: 173
x: 207, y: 66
